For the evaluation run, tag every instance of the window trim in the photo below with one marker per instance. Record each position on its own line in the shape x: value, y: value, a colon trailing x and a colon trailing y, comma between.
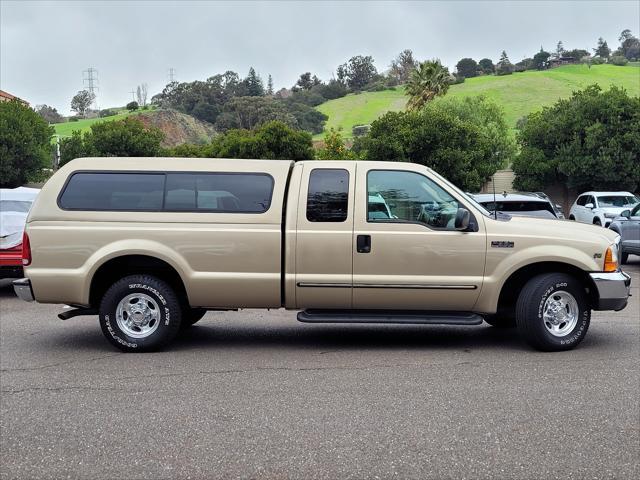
x: 306, y: 206
x: 473, y: 223
x: 164, y: 173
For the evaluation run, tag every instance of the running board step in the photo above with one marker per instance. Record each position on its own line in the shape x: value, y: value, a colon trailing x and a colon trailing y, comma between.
x: 386, y: 316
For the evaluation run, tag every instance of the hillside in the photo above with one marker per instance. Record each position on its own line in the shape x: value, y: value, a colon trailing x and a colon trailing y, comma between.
x: 177, y: 127
x: 518, y: 94
x: 64, y: 129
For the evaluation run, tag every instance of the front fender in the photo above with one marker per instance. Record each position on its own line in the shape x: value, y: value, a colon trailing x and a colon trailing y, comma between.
x: 501, y: 270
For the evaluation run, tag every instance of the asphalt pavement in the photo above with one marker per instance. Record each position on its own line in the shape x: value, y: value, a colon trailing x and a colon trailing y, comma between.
x: 255, y: 394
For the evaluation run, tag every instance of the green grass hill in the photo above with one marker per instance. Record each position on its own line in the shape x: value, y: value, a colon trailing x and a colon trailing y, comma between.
x: 64, y: 129
x: 518, y: 94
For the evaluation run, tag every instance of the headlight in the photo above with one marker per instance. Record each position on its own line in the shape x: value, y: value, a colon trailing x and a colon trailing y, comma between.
x: 610, y: 215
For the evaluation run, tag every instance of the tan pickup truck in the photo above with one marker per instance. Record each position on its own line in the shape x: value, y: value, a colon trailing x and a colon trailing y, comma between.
x: 151, y: 244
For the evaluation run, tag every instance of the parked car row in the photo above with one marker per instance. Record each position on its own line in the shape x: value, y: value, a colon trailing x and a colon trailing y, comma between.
x: 600, y: 208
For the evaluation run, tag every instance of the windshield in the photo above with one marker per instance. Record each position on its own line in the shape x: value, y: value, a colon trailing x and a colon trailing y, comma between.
x: 520, y: 206
x: 617, y: 201
x: 466, y: 196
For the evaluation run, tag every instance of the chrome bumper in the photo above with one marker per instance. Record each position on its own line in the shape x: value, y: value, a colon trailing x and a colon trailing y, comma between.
x: 23, y: 289
x: 612, y: 290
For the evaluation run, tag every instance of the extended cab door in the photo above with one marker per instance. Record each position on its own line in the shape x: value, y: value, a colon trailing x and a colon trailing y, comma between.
x: 324, y: 233
x: 407, y: 254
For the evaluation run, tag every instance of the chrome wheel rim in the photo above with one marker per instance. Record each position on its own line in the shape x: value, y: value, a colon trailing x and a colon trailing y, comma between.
x: 560, y: 313
x: 138, y: 315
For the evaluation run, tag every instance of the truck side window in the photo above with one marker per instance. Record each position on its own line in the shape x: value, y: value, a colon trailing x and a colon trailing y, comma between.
x: 328, y: 195
x: 401, y: 196
x: 218, y: 192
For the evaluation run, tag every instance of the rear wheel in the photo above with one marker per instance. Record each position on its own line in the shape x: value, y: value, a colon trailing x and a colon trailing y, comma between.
x: 597, y: 222
x: 552, y: 312
x: 140, y: 313
x: 624, y: 258
x: 571, y: 217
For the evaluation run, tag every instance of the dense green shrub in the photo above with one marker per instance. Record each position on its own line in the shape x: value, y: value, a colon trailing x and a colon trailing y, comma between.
x: 465, y: 140
x: 588, y: 141
x: 25, y: 146
x: 618, y: 60
x: 107, y: 112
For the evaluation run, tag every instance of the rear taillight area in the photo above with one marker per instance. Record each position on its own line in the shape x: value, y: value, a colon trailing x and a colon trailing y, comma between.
x: 26, y: 250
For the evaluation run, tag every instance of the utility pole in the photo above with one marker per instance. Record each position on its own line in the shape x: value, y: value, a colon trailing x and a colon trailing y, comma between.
x: 91, y: 82
x: 133, y: 95
x: 172, y: 75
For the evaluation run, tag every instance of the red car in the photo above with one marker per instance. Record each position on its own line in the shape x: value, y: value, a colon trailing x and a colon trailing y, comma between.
x: 14, y: 208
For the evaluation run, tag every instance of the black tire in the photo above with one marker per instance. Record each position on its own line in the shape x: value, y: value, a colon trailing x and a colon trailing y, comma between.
x: 190, y: 316
x: 624, y: 258
x: 597, y: 222
x: 169, y: 313
x: 571, y: 217
x: 500, y: 321
x: 529, y: 312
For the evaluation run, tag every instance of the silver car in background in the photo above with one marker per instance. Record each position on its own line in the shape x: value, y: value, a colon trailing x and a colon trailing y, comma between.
x: 627, y: 225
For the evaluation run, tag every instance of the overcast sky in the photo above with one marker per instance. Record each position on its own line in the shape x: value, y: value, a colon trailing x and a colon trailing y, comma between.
x: 45, y: 46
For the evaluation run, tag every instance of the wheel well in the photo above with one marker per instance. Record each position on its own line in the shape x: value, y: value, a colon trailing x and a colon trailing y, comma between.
x: 516, y: 281
x: 119, y: 267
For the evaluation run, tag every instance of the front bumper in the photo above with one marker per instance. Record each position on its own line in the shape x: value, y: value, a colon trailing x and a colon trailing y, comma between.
x: 612, y: 290
x: 23, y: 289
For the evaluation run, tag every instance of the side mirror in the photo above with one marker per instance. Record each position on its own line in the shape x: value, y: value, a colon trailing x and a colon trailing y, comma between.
x: 626, y: 213
x: 462, y: 219
x: 589, y: 206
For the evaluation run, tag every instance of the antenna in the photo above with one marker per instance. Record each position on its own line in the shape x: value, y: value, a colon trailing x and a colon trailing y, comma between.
x: 495, y: 204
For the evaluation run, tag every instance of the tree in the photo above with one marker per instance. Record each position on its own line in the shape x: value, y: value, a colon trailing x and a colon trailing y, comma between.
x: 428, y: 81
x: 306, y: 82
x: 123, y: 138
x: 141, y: 94
x: 402, y: 66
x: 541, y: 59
x: 629, y: 45
x: 559, y: 50
x: 467, y: 67
x: 25, y: 146
x: 270, y: 86
x: 466, y: 140
x: 357, y: 72
x: 81, y: 102
x: 590, y: 141
x: 504, y: 66
x: 73, y: 147
x: 273, y: 140
x: 49, y: 114
x: 334, y: 147
x: 577, y: 53
x: 131, y: 106
x: 487, y: 66
x: 602, y: 50
x: 253, y: 84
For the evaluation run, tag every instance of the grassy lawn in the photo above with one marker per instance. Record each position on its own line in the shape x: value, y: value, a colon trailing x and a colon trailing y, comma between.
x: 518, y: 94
x: 65, y: 129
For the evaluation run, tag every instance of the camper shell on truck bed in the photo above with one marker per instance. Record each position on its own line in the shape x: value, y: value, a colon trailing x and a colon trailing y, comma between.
x: 152, y: 243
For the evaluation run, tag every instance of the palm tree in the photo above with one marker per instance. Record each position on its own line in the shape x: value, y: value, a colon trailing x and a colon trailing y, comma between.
x: 428, y: 81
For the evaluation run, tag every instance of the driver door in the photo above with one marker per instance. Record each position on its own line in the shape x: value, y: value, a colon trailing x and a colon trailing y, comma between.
x: 412, y: 258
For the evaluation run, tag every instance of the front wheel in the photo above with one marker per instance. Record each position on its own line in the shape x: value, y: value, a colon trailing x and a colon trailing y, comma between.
x: 552, y: 312
x: 140, y: 313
